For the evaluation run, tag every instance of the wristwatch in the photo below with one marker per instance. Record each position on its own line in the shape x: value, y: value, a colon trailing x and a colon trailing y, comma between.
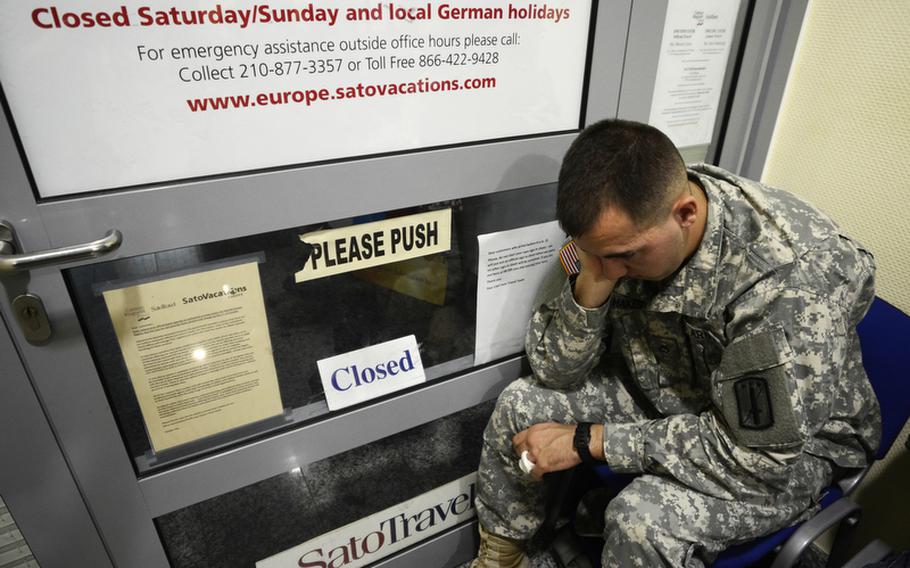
x: 581, y: 440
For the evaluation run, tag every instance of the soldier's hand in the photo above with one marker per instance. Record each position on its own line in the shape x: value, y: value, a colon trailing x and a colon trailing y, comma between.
x: 593, y: 286
x: 549, y: 446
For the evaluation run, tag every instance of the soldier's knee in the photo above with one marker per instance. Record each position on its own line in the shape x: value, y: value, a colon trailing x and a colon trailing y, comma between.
x: 625, y: 521
x: 639, y: 526
x: 514, y: 394
x: 513, y: 412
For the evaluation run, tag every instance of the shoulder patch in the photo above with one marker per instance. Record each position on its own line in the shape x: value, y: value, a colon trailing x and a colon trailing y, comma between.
x: 568, y: 257
x: 753, y: 403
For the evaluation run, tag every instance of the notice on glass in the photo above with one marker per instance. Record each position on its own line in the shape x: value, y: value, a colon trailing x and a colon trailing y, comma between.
x: 513, y: 265
x: 690, y: 73
x: 245, y: 85
x: 198, y: 352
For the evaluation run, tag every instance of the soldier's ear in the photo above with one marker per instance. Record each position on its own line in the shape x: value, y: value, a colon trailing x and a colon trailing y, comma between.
x: 685, y: 210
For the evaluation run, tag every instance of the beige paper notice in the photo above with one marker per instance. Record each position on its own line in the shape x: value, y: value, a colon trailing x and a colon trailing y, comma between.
x: 198, y: 352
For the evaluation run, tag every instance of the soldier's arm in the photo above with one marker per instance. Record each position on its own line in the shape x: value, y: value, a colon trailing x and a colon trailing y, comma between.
x: 787, y: 350
x: 564, y: 339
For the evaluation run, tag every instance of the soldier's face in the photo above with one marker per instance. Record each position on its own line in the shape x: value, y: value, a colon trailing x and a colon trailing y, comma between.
x: 625, y: 249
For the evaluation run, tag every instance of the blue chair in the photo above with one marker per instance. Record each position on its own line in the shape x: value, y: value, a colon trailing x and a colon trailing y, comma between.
x: 885, y: 337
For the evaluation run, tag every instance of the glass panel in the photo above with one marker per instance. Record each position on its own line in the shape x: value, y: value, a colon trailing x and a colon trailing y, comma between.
x: 256, y: 522
x: 314, y: 319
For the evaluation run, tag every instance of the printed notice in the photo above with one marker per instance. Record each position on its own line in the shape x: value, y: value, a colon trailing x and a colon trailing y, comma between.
x: 247, y: 85
x: 512, y: 268
x: 335, y: 251
x: 198, y: 352
x: 690, y: 73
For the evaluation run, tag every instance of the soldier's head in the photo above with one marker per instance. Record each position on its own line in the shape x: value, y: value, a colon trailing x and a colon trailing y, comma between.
x: 625, y: 198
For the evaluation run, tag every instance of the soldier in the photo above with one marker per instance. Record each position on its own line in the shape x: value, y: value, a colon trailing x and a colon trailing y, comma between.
x: 708, y: 343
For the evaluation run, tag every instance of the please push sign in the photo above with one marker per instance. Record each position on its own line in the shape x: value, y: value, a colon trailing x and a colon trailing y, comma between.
x: 371, y: 372
x: 365, y: 245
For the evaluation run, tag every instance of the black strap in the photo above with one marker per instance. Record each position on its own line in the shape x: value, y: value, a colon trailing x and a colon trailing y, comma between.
x: 581, y: 442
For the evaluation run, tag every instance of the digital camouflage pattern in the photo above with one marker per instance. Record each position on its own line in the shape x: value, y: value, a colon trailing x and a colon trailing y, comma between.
x: 771, y: 298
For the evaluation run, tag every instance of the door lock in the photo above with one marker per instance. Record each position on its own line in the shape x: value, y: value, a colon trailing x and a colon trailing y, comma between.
x: 32, y: 317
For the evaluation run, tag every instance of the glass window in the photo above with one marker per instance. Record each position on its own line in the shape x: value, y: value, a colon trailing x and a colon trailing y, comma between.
x: 244, y: 526
x: 314, y: 319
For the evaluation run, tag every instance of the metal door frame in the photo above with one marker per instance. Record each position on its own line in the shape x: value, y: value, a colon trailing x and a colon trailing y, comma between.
x: 770, y: 48
x: 35, y: 480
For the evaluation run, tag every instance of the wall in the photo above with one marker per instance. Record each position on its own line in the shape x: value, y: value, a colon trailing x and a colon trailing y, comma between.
x: 842, y: 141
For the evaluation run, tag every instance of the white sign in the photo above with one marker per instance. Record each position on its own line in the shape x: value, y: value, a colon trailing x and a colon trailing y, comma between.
x: 690, y: 73
x: 512, y: 268
x: 364, y: 374
x: 114, y: 94
x: 335, y: 251
x: 381, y: 534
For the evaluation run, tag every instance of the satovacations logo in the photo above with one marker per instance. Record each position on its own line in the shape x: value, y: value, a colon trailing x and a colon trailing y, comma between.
x: 381, y: 534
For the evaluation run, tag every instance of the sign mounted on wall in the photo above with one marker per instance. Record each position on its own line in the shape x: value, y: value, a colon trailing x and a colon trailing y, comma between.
x: 336, y: 251
x: 694, y: 50
x: 243, y: 85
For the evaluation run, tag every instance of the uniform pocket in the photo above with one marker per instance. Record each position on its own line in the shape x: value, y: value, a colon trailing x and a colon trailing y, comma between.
x: 654, y: 347
x: 705, y: 350
x: 638, y: 352
x: 669, y: 357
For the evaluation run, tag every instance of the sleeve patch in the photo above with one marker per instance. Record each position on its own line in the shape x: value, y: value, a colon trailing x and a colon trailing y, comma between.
x: 756, y: 393
x: 753, y: 402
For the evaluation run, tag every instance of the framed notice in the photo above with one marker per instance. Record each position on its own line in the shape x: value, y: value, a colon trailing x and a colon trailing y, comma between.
x: 198, y: 352
x: 243, y: 85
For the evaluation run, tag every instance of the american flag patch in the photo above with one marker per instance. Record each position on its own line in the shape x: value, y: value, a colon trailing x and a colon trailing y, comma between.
x: 568, y: 256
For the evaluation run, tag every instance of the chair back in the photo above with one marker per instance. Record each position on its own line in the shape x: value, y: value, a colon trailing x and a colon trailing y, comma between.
x: 885, y: 338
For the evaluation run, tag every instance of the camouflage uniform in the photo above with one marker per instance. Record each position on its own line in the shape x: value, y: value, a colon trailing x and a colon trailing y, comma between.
x: 735, y: 387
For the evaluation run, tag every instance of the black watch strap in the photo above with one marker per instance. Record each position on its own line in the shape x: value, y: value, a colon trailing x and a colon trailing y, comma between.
x: 581, y: 440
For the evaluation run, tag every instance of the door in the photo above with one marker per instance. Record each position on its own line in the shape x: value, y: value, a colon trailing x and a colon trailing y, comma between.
x: 271, y: 484
x: 268, y: 482
x: 245, y: 494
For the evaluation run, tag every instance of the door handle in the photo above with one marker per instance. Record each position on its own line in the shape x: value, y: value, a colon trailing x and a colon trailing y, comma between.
x: 10, y: 262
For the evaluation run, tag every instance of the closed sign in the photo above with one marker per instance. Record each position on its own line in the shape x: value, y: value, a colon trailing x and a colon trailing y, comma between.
x: 371, y: 372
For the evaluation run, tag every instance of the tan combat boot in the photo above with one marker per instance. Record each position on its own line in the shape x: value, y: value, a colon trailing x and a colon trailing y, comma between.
x: 499, y: 552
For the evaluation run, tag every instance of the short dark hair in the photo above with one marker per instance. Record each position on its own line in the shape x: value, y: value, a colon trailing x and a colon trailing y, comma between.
x: 616, y: 163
